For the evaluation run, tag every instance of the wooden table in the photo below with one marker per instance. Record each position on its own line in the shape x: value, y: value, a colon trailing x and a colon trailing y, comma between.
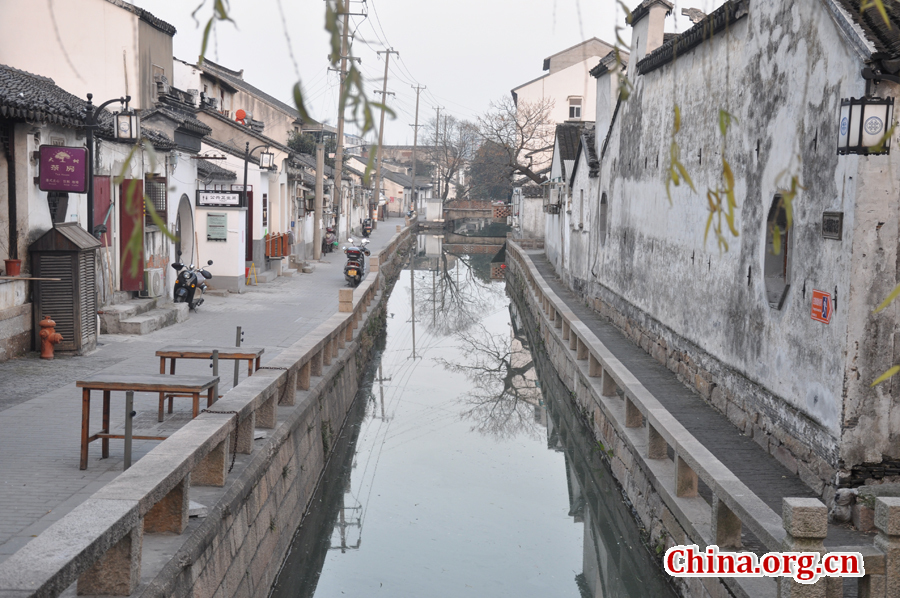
x: 187, y: 385
x: 253, y: 355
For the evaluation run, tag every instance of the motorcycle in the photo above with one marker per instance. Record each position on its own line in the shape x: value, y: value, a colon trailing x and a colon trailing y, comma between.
x: 367, y: 227
x: 330, y: 241
x: 190, y: 283
x: 355, y: 268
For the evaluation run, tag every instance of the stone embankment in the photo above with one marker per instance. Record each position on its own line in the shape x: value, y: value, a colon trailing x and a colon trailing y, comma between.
x: 255, y: 457
x: 682, y: 493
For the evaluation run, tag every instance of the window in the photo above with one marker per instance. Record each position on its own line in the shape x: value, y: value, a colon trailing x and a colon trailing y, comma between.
x: 604, y: 211
x: 155, y: 188
x: 777, y: 260
x: 575, y: 108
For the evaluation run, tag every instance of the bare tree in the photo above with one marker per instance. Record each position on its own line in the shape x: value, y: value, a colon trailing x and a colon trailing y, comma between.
x: 455, y: 142
x: 504, y: 393
x: 524, y: 130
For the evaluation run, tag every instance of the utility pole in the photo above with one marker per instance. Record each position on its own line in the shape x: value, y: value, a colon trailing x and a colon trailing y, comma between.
x: 438, y: 152
x: 412, y: 298
x: 320, y: 200
x: 343, y: 7
x: 418, y: 89
x: 378, y: 157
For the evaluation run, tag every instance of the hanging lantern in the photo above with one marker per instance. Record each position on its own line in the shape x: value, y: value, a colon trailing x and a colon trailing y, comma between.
x: 128, y: 125
x: 266, y: 160
x: 866, y: 126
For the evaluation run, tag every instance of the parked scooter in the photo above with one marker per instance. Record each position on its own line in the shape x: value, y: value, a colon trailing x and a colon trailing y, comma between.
x: 190, y: 283
x: 330, y: 241
x: 355, y: 268
x: 367, y: 227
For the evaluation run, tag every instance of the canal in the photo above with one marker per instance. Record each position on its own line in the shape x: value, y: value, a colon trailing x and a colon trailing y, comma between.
x: 462, y: 469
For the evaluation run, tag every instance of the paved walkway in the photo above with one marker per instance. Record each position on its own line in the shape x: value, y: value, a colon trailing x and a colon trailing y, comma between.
x: 755, y: 467
x: 40, y: 407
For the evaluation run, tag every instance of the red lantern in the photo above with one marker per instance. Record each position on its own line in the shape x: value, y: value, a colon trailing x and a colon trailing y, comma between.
x: 240, y: 115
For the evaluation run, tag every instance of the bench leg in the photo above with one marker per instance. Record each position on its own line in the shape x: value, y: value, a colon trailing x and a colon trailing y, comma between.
x: 162, y: 405
x: 258, y: 359
x: 162, y: 365
x: 211, y: 397
x: 105, y: 441
x: 85, y: 424
x: 250, y: 367
x: 196, y: 397
x: 171, y: 373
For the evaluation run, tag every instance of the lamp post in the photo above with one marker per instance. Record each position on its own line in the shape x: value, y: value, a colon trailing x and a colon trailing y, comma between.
x: 127, y: 127
x: 266, y: 160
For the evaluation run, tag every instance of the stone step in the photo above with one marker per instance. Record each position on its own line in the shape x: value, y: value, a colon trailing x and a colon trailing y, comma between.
x: 288, y: 272
x: 155, y: 319
x: 112, y: 315
x: 265, y: 276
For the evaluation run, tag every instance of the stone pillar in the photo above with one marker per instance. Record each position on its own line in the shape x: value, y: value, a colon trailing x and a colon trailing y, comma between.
x: 558, y: 319
x: 303, y: 377
x: 315, y: 363
x: 609, y: 385
x: 267, y: 413
x: 657, y: 447
x: 573, y: 340
x: 245, y: 432
x: 326, y: 352
x: 348, y: 333
x: 582, y: 352
x: 345, y: 300
x: 887, y: 521
x: 213, y: 469
x: 685, y: 479
x: 171, y: 513
x: 806, y: 522
x: 374, y: 262
x: 633, y: 417
x: 726, y: 527
x: 594, y: 368
x: 565, y: 330
x: 289, y: 392
x: 117, y: 572
x: 341, y: 339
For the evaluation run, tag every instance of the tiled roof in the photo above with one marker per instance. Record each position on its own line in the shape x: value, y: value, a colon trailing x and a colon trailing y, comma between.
x: 235, y: 79
x: 184, y: 119
x: 30, y: 97
x: 532, y: 190
x: 211, y: 171
x: 712, y: 25
x: 587, y: 146
x: 145, y: 16
x: 643, y: 9
x: 606, y: 63
x: 567, y: 134
x: 885, y: 38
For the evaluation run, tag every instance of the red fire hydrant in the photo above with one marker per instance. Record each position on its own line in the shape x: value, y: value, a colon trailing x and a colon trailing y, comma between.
x: 49, y: 337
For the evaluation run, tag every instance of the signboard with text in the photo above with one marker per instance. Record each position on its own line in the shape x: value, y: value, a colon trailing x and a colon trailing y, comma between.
x: 218, y: 198
x: 822, y: 306
x: 63, y: 169
x: 216, y: 227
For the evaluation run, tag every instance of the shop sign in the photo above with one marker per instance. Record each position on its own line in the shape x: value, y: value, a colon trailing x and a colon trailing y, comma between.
x: 216, y: 227
x: 63, y: 169
x: 218, y: 198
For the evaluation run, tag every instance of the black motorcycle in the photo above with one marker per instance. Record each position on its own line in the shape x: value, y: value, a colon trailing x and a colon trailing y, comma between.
x: 367, y: 227
x: 190, y: 284
x: 355, y: 268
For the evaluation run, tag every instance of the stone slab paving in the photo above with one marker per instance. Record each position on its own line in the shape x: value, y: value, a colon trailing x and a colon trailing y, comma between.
x: 40, y: 407
x: 755, y: 467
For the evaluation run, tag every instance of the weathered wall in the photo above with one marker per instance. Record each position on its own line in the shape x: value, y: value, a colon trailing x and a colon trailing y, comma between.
x: 800, y: 385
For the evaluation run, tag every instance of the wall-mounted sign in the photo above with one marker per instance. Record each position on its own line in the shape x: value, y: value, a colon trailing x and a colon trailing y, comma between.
x: 821, y: 306
x: 218, y: 198
x: 216, y: 227
x: 833, y: 225
x: 63, y: 169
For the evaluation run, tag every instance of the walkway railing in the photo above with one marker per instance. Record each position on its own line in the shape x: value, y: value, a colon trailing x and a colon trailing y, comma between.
x: 628, y: 405
x: 98, y: 543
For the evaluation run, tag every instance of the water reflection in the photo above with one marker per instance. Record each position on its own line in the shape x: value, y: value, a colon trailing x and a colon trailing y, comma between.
x: 451, y: 489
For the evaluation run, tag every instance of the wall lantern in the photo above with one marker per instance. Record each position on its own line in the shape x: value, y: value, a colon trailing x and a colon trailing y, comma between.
x: 866, y: 126
x: 128, y: 125
x: 266, y: 160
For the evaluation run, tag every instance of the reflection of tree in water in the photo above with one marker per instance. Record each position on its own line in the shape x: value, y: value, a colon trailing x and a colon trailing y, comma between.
x: 457, y: 293
x: 504, y: 393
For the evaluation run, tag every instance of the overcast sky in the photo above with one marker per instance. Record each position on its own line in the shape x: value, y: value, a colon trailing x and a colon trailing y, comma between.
x: 466, y: 52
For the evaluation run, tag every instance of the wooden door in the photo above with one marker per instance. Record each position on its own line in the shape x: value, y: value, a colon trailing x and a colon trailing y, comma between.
x: 131, y: 241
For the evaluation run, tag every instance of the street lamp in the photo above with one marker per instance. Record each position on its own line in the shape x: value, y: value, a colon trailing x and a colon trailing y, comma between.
x: 127, y: 128
x: 266, y: 160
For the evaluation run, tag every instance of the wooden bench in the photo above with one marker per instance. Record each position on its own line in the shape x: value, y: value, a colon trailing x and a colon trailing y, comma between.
x: 252, y: 355
x: 186, y: 385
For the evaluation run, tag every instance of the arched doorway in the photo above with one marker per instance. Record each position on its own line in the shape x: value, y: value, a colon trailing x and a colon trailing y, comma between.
x: 184, y: 230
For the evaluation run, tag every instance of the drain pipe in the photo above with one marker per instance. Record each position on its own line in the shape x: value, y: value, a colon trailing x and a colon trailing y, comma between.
x: 11, y: 182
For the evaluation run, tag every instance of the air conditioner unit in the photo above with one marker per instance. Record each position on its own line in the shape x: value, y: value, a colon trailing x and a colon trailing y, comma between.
x: 154, y: 282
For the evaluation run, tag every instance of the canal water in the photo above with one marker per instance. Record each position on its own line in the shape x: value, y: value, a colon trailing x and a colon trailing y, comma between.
x: 463, y: 470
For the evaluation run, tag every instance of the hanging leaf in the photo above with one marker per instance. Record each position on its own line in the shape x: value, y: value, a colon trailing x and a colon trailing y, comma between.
x: 888, y: 374
x: 889, y: 299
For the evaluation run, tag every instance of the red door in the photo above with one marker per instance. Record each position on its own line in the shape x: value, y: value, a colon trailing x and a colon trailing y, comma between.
x: 102, y: 202
x: 131, y: 241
